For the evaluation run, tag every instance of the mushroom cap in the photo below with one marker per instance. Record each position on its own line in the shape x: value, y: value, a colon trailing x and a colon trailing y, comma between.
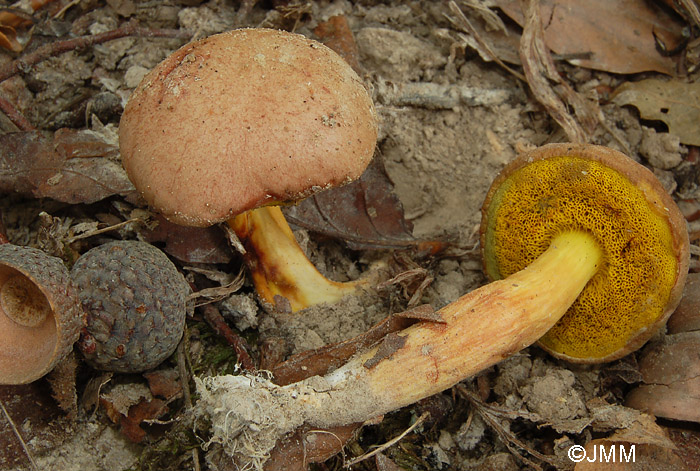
x: 686, y: 317
x: 242, y: 119
x: 40, y: 313
x: 562, y: 187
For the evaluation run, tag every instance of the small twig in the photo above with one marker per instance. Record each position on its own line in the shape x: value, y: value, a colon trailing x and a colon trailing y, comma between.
x: 217, y: 293
x: 14, y: 115
x: 130, y: 28
x: 487, y: 413
x: 216, y: 320
x: 59, y: 14
x: 19, y: 436
x: 390, y: 443
x: 113, y: 227
x: 3, y: 232
x: 185, y: 381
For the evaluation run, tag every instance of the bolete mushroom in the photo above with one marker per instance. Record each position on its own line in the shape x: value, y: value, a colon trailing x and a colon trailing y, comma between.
x: 592, y: 215
x: 40, y: 313
x: 600, y: 194
x: 248, y: 119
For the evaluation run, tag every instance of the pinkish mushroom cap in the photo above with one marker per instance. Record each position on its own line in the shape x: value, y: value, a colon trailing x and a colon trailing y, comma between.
x: 242, y: 119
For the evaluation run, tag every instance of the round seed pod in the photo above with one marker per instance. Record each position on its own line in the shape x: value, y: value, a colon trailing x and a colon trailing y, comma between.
x: 135, y: 300
x: 40, y: 314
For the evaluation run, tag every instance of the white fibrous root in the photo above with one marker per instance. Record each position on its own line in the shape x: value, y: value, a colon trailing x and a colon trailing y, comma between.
x: 250, y: 413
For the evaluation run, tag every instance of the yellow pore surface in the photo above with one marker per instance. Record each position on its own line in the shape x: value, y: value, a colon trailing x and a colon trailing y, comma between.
x: 632, y: 287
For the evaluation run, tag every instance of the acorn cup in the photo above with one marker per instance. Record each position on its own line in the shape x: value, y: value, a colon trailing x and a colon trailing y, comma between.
x: 40, y: 313
x: 135, y: 301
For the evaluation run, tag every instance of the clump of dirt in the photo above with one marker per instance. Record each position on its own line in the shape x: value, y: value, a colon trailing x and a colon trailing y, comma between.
x: 324, y: 324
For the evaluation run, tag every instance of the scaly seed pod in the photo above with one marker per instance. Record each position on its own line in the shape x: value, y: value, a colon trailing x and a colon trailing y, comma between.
x: 135, y: 300
x: 40, y: 313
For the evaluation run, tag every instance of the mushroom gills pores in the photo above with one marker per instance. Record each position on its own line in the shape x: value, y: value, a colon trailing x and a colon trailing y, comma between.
x: 135, y: 300
x: 631, y: 291
x: 40, y: 313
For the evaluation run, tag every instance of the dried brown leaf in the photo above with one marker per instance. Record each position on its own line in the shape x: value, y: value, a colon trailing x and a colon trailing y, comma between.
x: 68, y: 166
x: 391, y: 343
x: 616, y: 36
x: 189, y: 244
x: 8, y: 39
x: 131, y: 404
x: 321, y: 360
x: 164, y: 383
x: 671, y: 378
x: 14, y: 25
x: 308, y: 445
x: 90, y: 398
x: 143, y: 411
x: 625, y: 455
x: 337, y: 35
x: 674, y: 102
x: 366, y: 214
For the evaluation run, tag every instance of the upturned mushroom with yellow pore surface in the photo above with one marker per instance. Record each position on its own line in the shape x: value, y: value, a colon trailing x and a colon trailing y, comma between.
x: 560, y: 224
x: 228, y: 127
x: 596, y: 193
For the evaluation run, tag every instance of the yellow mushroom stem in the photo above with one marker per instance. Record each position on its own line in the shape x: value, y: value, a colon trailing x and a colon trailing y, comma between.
x: 278, y: 265
x: 478, y: 330
x: 482, y: 327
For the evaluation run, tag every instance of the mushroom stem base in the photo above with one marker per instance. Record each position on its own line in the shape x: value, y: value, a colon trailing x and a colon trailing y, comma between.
x: 476, y: 331
x: 279, y: 268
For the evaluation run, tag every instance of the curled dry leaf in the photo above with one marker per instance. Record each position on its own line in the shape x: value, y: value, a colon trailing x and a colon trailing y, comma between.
x: 130, y: 405
x: 14, y: 29
x: 644, y: 443
x: 592, y: 34
x: 144, y: 411
x: 366, y: 213
x: 68, y: 166
x: 336, y: 34
x: 189, y: 244
x: 674, y: 102
x: 321, y: 360
x: 670, y: 368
